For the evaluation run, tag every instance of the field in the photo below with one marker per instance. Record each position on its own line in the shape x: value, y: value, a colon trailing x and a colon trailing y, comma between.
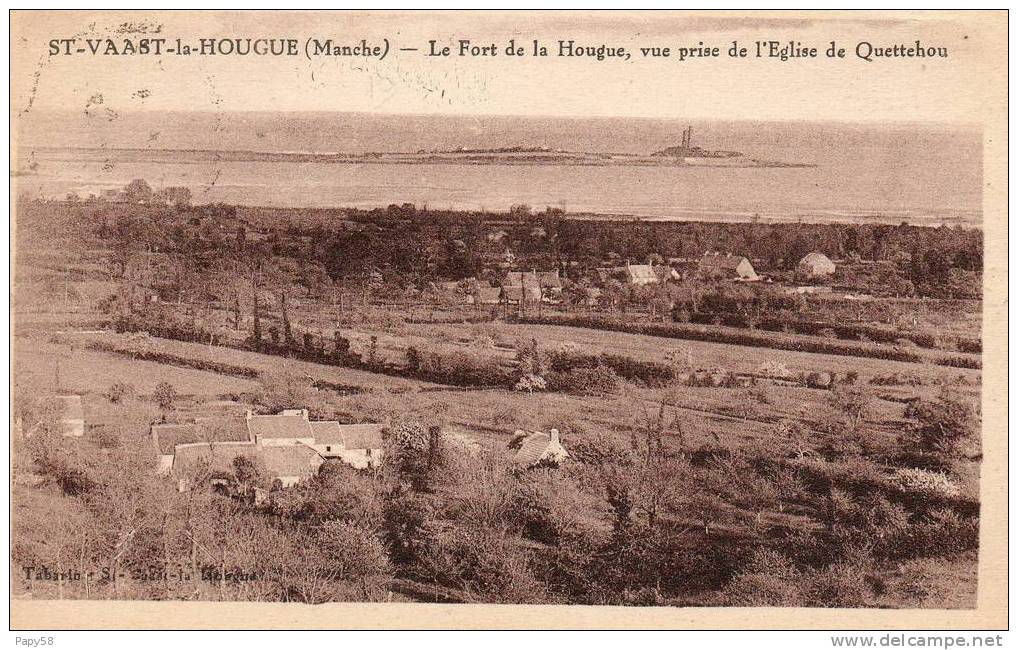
x: 699, y: 473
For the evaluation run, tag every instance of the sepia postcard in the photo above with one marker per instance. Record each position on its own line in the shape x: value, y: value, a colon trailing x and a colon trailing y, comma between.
x: 508, y: 319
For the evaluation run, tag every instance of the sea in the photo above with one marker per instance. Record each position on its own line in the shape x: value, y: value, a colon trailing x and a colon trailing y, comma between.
x: 917, y: 173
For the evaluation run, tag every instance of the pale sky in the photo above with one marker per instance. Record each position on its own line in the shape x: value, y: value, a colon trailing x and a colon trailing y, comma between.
x: 968, y: 86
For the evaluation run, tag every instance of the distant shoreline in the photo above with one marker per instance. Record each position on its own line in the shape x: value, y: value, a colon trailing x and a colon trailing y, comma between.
x: 534, y: 156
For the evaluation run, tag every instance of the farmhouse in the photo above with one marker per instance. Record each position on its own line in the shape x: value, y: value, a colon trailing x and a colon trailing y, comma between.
x: 290, y: 446
x: 815, y: 265
x: 165, y: 438
x: 357, y: 445
x: 640, y: 274
x: 487, y: 295
x: 197, y: 461
x: 526, y: 282
x: 72, y: 415
x: 538, y: 448
x: 727, y: 267
x: 290, y: 464
x: 287, y: 428
x: 551, y: 283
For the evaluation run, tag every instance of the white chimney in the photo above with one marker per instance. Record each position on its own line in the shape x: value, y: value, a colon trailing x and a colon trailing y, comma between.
x: 554, y: 437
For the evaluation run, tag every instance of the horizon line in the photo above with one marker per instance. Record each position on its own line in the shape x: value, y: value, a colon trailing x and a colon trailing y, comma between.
x: 899, y: 123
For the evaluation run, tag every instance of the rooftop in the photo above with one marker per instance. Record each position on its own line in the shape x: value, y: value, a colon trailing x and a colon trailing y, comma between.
x: 280, y: 426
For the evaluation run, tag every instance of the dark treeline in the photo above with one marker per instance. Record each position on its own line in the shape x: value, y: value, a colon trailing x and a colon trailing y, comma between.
x: 417, y: 245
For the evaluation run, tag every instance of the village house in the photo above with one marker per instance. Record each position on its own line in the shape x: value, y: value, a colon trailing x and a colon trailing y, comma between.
x: 538, y: 448
x: 72, y: 415
x: 212, y: 461
x: 290, y: 465
x: 165, y: 438
x: 815, y: 265
x: 551, y: 284
x: 487, y: 295
x: 726, y: 267
x: 289, y: 427
x: 357, y: 445
x: 288, y: 445
x: 526, y: 281
x: 640, y: 274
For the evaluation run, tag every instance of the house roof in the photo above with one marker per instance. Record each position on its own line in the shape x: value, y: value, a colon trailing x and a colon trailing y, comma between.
x: 350, y: 436
x: 222, y: 428
x: 328, y: 432
x: 817, y: 261
x: 279, y: 426
x: 725, y: 262
x: 187, y: 458
x: 363, y: 436
x: 291, y: 460
x: 71, y: 407
x: 641, y: 272
x: 488, y: 294
x: 550, y: 279
x: 517, y: 292
x: 167, y: 436
x: 521, y: 279
x: 532, y: 448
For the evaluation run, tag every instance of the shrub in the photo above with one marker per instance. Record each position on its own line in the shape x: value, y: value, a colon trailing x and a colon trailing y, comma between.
x: 118, y: 391
x: 769, y: 579
x: 463, y: 368
x: 600, y: 449
x: 842, y: 584
x: 530, y: 383
x: 599, y: 381
x: 164, y: 395
x: 483, y: 564
x: 760, y: 590
x: 943, y: 532
x: 413, y: 359
x: 974, y: 346
x: 649, y: 372
x: 943, y: 424
x: 406, y: 515
x: 780, y: 339
x: 853, y: 403
x: 925, y: 482
x: 354, y: 554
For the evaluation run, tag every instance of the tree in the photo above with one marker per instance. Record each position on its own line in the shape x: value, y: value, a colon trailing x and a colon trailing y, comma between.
x: 138, y: 191
x: 177, y: 197
x: 355, y: 555
x: 519, y: 211
x: 410, y: 451
x: 164, y: 396
x: 853, y: 403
